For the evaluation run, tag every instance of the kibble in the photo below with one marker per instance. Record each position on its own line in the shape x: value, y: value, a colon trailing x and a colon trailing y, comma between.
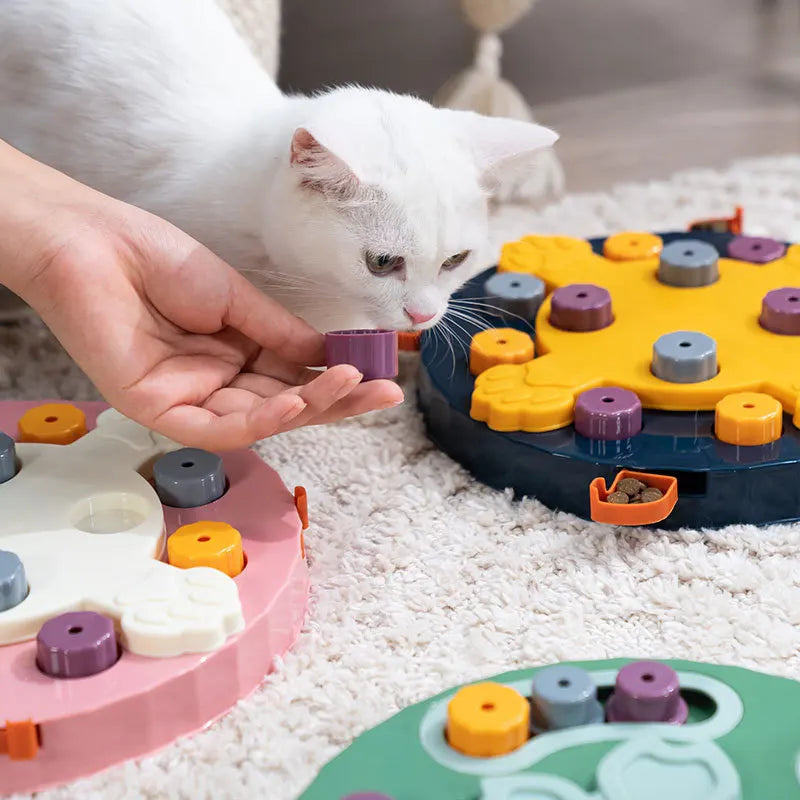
x: 618, y: 497
x: 630, y: 491
x: 651, y: 494
x: 631, y: 486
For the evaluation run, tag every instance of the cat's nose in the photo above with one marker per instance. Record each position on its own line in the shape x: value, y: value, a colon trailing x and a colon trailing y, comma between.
x: 418, y: 318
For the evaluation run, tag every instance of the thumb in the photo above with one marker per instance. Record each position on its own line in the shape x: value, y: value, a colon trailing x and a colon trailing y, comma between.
x: 201, y: 293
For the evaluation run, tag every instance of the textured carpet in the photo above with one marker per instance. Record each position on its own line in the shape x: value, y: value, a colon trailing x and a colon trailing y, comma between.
x: 423, y: 579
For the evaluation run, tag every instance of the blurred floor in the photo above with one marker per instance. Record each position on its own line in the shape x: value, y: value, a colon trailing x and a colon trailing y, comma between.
x: 637, y: 88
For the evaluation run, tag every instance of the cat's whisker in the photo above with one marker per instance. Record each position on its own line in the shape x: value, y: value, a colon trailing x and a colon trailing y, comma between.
x: 462, y: 304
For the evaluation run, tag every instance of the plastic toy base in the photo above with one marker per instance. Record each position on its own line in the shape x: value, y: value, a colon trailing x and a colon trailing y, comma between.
x: 718, y: 483
x: 720, y: 753
x: 142, y: 704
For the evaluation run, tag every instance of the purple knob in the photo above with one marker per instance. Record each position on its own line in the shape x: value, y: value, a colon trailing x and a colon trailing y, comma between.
x: 647, y: 691
x: 780, y: 311
x: 76, y: 644
x: 367, y: 796
x: 372, y: 352
x: 581, y: 307
x: 608, y: 413
x: 756, y: 249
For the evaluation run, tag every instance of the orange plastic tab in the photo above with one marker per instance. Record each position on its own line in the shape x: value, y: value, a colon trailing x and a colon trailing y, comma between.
x: 19, y: 740
x: 207, y: 544
x: 408, y: 341
x: 748, y: 418
x: 638, y: 513
x: 301, y: 504
x: 487, y: 719
x: 632, y: 246
x: 499, y: 346
x: 732, y: 224
x: 52, y: 423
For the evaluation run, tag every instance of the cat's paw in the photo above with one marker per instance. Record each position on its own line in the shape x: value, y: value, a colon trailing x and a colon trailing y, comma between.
x: 542, y: 178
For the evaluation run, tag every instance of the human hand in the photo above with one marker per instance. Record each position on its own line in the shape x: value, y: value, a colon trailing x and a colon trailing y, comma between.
x: 172, y: 336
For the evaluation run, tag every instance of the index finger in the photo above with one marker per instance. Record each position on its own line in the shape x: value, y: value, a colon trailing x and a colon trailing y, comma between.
x: 272, y: 326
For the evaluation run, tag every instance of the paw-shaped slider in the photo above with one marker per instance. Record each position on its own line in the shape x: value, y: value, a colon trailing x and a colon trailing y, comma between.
x: 505, y: 400
x: 534, y: 253
x: 171, y: 611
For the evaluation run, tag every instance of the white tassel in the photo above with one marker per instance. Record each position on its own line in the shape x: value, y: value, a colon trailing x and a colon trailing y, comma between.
x: 482, y: 88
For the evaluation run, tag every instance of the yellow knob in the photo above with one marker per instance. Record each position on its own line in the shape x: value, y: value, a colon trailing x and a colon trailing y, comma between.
x: 632, y: 246
x: 487, y: 719
x: 207, y: 544
x: 748, y: 418
x: 499, y: 346
x: 52, y: 423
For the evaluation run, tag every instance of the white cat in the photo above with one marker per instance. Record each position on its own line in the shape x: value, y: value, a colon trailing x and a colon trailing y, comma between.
x: 355, y: 207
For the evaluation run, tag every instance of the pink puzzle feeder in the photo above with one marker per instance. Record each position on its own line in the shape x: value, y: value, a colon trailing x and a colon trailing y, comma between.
x: 183, y: 645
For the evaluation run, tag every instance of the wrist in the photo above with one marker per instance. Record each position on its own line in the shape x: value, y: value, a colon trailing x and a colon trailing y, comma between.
x: 32, y: 225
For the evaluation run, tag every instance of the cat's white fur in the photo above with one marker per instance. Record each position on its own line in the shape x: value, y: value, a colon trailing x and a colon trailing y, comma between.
x: 161, y: 104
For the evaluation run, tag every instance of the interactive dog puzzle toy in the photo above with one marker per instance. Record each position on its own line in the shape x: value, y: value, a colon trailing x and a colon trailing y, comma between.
x: 603, y: 730
x: 672, y: 359
x: 144, y: 588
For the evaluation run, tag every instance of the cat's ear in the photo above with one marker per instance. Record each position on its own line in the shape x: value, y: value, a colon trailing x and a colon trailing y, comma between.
x: 498, y: 143
x: 320, y: 169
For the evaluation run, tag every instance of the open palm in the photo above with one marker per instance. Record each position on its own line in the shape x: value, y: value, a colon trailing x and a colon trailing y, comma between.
x: 176, y: 339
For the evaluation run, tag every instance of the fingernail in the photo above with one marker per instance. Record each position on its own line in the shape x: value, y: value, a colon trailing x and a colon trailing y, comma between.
x: 349, y: 386
x: 393, y: 403
x: 293, y: 411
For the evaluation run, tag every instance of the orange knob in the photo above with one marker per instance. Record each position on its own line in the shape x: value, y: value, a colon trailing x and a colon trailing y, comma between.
x: 207, y: 544
x: 52, y: 423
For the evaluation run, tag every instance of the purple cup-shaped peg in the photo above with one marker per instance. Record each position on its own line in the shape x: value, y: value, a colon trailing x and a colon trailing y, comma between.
x: 647, y: 691
x: 372, y: 352
x: 780, y: 311
x: 76, y: 644
x: 608, y: 413
x: 581, y: 307
x: 756, y: 249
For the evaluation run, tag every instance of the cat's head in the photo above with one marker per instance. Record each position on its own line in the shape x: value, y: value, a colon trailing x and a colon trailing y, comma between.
x: 382, y: 211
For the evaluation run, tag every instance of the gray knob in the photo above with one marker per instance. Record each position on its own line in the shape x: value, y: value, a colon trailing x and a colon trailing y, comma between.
x: 13, y: 582
x: 688, y: 263
x: 189, y: 478
x: 516, y: 293
x: 563, y: 697
x: 685, y: 357
x: 8, y: 458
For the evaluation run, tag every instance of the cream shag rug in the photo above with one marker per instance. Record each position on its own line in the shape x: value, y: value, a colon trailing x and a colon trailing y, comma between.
x: 423, y: 578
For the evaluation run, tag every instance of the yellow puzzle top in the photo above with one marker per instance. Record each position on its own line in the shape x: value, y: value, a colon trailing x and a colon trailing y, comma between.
x: 645, y: 308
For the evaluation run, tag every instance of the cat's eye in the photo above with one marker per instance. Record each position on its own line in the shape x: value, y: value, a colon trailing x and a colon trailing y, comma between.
x: 457, y: 260
x: 383, y: 264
